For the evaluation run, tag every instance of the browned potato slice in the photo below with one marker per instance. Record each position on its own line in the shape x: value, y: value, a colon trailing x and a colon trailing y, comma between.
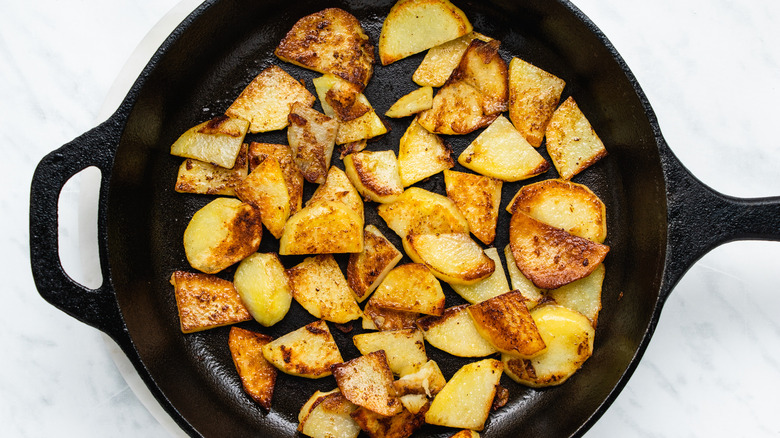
x: 258, y: 377
x: 532, y: 294
x: 413, y: 26
x: 341, y: 100
x: 378, y: 318
x: 292, y: 175
x: 365, y: 270
x: 326, y: 227
x: 404, y: 349
x: 465, y: 400
x: 421, y: 154
x: 415, y: 403
x: 454, y: 332
x: 221, y: 233
x: 465, y: 433
x: 457, y: 109
x: 217, y: 141
x: 478, y: 198
x: 501, y: 152
x: 262, y: 283
x: 375, y: 175
x: 338, y: 188
x: 330, y: 41
x: 550, y: 257
x: 571, y: 141
x: 506, y: 323
x: 205, y: 301
x: 327, y: 415
x: 368, y: 381
x: 422, y: 212
x: 490, y: 287
x: 569, y: 339
x: 312, y: 136
x: 428, y: 381
x: 483, y: 68
x: 266, y: 189
x: 583, y: 295
x: 418, y: 100
x: 352, y: 147
x: 533, y: 96
x: 563, y: 204
x: 265, y: 102
x: 307, y: 352
x: 401, y: 425
x: 440, y: 61
x: 196, y: 176
x: 412, y: 288
x: 452, y: 257
x: 319, y: 286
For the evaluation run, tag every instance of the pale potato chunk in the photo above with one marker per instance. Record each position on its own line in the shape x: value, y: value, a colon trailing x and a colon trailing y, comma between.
x: 341, y: 100
x: 493, y: 286
x: 307, y: 352
x: 401, y: 425
x: 404, y: 349
x: 440, y: 61
x: 569, y: 339
x: 265, y: 102
x: 375, y: 175
x: 583, y: 295
x: 563, y: 204
x: 258, y: 377
x: 266, y: 189
x: 571, y: 141
x: 412, y: 103
x: 330, y: 41
x: 501, y: 152
x: 505, y: 322
x: 533, y: 96
x: 379, y: 318
x: 452, y: 257
x: 368, y: 381
x: 421, y: 154
x: 338, y: 188
x: 413, y: 26
x: 478, y: 198
x: 217, y: 141
x: 284, y: 156
x: 365, y: 270
x: 422, y: 212
x: 327, y: 415
x: 205, y: 301
x: 411, y: 288
x: 261, y: 281
x: 327, y: 227
x: 550, y: 257
x: 415, y: 403
x: 532, y: 294
x: 454, y: 332
x: 312, y: 136
x: 197, y: 176
x: 427, y: 381
x: 465, y: 400
x: 221, y: 233
x: 319, y: 286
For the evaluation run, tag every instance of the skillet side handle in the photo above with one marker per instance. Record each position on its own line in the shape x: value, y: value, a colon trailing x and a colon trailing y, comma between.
x: 95, y: 307
x: 701, y: 219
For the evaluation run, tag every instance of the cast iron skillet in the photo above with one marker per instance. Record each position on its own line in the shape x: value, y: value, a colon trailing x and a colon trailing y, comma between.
x: 661, y: 219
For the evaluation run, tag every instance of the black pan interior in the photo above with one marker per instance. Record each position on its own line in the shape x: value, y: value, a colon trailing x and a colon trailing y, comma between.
x: 206, y: 64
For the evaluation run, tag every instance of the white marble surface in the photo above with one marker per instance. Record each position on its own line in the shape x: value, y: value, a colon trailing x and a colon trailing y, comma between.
x: 711, y: 70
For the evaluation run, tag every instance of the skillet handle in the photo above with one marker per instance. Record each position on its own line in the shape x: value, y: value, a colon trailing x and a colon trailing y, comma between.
x: 95, y: 307
x: 701, y: 219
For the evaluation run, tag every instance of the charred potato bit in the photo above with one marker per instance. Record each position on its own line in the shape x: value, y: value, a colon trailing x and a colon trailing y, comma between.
x: 327, y: 415
x: 196, y: 176
x: 367, y: 381
x: 307, y: 352
x: 478, y: 198
x: 533, y: 96
x: 205, y: 301
x: 319, y: 286
x: 571, y: 141
x: 217, y: 141
x: 284, y: 156
x: 379, y: 318
x: 365, y: 270
x: 505, y: 322
x: 258, y: 377
x: 400, y: 425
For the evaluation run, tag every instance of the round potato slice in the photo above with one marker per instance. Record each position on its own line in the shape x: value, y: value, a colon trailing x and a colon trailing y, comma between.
x: 452, y: 257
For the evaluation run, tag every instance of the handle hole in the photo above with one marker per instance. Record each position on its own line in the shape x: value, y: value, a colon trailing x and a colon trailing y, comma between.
x: 78, y: 236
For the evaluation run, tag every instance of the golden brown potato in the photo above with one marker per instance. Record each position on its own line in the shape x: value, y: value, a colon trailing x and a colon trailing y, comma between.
x: 221, y: 233
x: 365, y: 270
x: 427, y: 380
x: 583, y: 295
x: 307, y: 352
x: 422, y: 212
x: 454, y: 332
x: 421, y: 154
x: 457, y: 109
x: 319, y: 286
x: 533, y: 96
x: 205, y: 301
x: 262, y: 283
x: 197, y: 176
x: 411, y: 287
x: 418, y: 100
x: 505, y: 322
x: 343, y: 101
x: 404, y: 349
x: 465, y: 433
x: 483, y: 68
x: 571, y: 141
x: 312, y: 136
x: 284, y: 156
x: 266, y: 189
x: 327, y: 415
x: 550, y: 257
x: 401, y: 425
x: 258, y: 377
x: 265, y: 102
x: 452, y: 257
x: 493, y: 286
x: 375, y: 175
x: 217, y: 141
x: 367, y: 381
x: 440, y: 61
x: 478, y: 198
x: 378, y: 318
x: 327, y: 227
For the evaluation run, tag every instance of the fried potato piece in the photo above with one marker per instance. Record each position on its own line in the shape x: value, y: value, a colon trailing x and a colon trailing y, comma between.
x: 196, y: 176
x: 205, y: 301
x: 404, y: 349
x: 505, y: 322
x: 266, y: 189
x: 465, y: 400
x: 327, y: 415
x: 533, y: 96
x: 465, y: 433
x: 572, y: 143
x: 375, y: 175
x: 367, y: 381
x: 501, y: 152
x: 483, y: 68
x: 452, y: 257
x: 365, y: 270
x: 330, y: 41
x: 352, y: 147
x: 343, y: 101
x: 265, y: 102
x: 478, y: 198
x: 312, y: 136
x: 413, y: 26
x: 418, y: 100
x: 457, y: 109
x: 338, y: 188
x: 495, y: 285
x: 307, y: 352
x: 262, y: 283
x: 454, y: 332
x: 284, y: 156
x: 421, y: 154
x: 532, y: 294
x: 440, y: 61
x: 221, y: 233
x: 550, y: 257
x: 569, y: 338
x: 401, y: 425
x: 411, y: 287
x: 427, y: 380
x: 258, y: 377
x: 583, y: 295
x: 378, y: 318
x: 419, y: 211
x: 327, y: 227
x: 217, y: 141
x: 319, y: 286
